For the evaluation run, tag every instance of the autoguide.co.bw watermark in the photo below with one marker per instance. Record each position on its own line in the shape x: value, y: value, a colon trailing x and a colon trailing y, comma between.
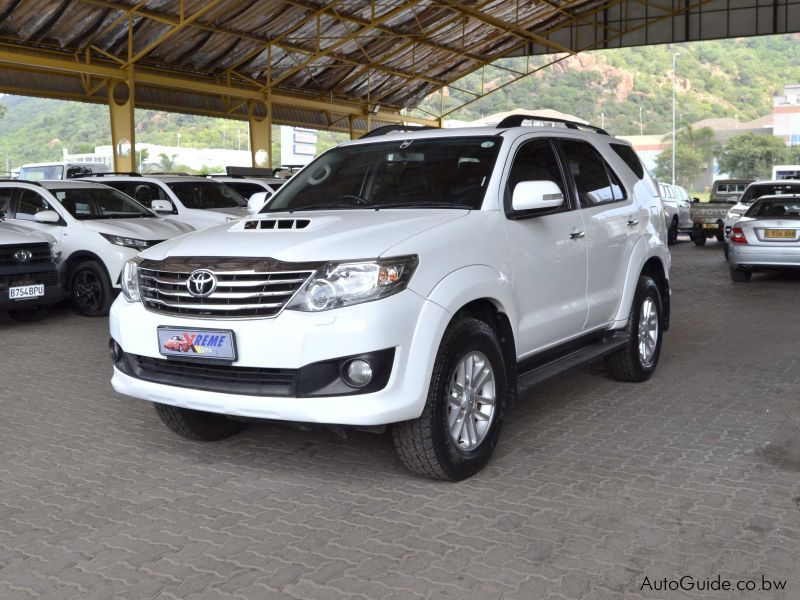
x: 708, y: 584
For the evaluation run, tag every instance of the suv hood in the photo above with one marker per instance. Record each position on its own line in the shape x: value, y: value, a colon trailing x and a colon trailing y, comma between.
x: 149, y: 228
x: 11, y: 234
x: 309, y: 236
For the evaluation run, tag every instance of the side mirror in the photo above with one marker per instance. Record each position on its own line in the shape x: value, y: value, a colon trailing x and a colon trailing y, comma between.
x: 258, y: 201
x: 47, y: 216
x: 161, y: 206
x: 533, y: 195
x: 695, y: 200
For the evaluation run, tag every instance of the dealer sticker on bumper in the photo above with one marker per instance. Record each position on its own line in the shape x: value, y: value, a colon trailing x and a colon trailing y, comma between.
x: 197, y: 343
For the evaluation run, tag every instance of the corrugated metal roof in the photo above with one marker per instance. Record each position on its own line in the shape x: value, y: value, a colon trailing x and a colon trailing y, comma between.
x: 355, y: 53
x: 387, y: 53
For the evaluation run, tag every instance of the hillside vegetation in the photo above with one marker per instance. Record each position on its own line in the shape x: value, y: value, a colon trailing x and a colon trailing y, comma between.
x: 730, y: 78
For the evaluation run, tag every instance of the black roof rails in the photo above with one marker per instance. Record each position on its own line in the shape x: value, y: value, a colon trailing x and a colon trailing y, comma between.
x: 394, y: 128
x: 108, y: 174
x: 12, y: 180
x: 518, y: 120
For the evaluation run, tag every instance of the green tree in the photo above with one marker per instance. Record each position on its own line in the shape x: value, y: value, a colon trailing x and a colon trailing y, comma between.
x: 750, y: 156
x: 689, y: 163
x: 694, y: 151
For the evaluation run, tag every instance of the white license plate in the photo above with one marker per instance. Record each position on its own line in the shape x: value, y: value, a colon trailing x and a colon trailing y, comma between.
x: 197, y: 343
x: 24, y: 292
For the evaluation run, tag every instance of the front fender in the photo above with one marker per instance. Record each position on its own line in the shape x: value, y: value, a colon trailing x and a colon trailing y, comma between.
x: 476, y: 282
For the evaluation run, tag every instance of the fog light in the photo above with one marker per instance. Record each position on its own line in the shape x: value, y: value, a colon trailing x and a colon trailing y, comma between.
x: 357, y: 373
x: 115, y: 350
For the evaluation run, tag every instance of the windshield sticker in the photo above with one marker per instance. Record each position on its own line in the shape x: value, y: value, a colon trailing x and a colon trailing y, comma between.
x: 487, y: 144
x: 406, y: 144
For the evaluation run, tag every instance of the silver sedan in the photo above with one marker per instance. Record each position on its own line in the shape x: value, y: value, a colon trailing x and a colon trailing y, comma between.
x: 766, y: 237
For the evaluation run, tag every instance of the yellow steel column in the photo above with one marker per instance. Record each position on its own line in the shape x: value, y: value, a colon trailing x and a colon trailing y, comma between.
x: 120, y: 108
x: 260, y: 133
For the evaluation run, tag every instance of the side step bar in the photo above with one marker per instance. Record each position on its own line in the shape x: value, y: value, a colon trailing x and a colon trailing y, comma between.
x: 532, y: 371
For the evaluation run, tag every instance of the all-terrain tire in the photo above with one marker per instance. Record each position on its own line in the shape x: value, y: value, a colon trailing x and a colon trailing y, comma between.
x: 629, y: 362
x: 699, y: 236
x: 740, y: 275
x: 672, y: 233
x: 29, y: 315
x: 198, y: 425
x: 425, y: 445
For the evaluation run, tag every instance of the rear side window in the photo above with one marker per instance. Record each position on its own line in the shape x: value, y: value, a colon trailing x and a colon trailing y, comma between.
x: 630, y: 157
x: 595, y: 181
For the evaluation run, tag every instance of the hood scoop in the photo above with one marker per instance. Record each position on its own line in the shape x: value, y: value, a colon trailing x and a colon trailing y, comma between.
x: 277, y: 224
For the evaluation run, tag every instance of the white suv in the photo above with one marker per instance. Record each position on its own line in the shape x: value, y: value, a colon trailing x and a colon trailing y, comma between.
x: 97, y: 227
x: 198, y: 201
x: 410, y: 280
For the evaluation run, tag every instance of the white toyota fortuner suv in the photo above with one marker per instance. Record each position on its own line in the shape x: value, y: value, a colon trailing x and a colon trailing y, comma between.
x: 410, y: 280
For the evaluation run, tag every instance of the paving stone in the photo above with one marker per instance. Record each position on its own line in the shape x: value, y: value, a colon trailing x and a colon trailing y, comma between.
x: 595, y: 484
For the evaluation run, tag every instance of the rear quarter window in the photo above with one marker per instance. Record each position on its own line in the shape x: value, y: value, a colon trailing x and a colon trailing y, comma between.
x: 628, y: 154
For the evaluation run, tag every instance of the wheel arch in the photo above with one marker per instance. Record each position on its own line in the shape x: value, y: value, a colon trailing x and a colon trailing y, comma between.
x: 642, y: 264
x: 482, y: 292
x: 81, y: 256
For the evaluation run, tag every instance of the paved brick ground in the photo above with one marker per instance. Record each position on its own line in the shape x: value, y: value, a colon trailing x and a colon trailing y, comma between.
x: 595, y: 486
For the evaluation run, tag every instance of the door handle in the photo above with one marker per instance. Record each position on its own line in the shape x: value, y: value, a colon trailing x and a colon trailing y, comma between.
x: 633, y: 220
x: 575, y: 235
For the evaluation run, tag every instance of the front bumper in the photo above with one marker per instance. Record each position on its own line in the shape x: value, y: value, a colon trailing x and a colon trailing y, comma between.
x: 52, y: 279
x: 405, y: 322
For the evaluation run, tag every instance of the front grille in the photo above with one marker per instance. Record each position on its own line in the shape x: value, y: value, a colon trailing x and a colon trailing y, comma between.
x: 261, y: 290
x: 46, y: 277
x: 39, y: 253
x: 211, y: 377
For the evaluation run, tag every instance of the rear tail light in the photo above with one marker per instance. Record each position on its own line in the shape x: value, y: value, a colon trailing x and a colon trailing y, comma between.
x: 738, y: 236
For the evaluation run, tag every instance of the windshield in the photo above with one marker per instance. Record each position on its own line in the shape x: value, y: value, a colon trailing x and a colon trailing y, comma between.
x: 783, y: 208
x: 206, y: 194
x: 435, y: 172
x: 754, y: 192
x: 99, y: 203
x: 42, y: 172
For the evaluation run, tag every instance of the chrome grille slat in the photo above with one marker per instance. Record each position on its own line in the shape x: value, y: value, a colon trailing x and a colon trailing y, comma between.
x: 212, y: 307
x: 225, y: 283
x: 238, y: 293
x: 220, y: 295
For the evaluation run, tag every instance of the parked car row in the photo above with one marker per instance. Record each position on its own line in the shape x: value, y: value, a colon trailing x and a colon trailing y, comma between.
x: 760, y: 227
x: 98, y: 221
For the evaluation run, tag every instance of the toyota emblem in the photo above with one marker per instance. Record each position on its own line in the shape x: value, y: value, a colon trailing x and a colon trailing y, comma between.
x: 23, y: 256
x: 201, y: 283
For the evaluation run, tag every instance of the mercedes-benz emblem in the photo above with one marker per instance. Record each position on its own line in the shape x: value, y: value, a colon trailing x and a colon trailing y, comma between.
x: 201, y: 283
x: 23, y: 256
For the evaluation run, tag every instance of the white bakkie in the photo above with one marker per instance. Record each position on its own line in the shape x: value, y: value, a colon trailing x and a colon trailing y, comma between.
x: 410, y: 280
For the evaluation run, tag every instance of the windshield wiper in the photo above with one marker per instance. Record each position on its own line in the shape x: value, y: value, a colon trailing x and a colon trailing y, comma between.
x: 323, y: 206
x: 423, y: 205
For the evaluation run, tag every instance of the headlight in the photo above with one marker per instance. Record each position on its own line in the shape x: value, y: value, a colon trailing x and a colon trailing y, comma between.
x: 343, y: 284
x: 130, y: 280
x: 119, y: 240
x: 55, y: 252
